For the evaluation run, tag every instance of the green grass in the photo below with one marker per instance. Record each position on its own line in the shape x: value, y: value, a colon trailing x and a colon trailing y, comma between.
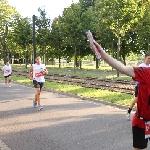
x: 113, y: 97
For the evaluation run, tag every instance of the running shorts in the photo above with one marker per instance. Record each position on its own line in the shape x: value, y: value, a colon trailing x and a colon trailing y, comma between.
x: 38, y: 84
x: 7, y: 76
x: 139, y: 140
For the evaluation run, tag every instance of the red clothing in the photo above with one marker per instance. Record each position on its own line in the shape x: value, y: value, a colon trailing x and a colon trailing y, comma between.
x: 142, y: 75
x: 138, y: 122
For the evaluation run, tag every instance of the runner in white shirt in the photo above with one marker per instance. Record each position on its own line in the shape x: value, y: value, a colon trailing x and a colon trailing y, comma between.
x: 7, y: 70
x: 36, y: 74
x: 146, y: 63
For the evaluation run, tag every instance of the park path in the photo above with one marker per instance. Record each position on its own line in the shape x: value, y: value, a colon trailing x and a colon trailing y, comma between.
x: 65, y: 123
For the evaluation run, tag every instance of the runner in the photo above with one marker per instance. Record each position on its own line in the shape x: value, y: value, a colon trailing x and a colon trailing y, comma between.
x: 141, y: 119
x: 7, y: 70
x: 144, y: 64
x: 36, y: 74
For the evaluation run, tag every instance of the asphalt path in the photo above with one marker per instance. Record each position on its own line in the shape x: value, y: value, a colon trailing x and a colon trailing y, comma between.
x: 65, y: 123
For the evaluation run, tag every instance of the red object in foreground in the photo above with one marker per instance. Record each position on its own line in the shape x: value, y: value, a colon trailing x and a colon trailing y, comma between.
x: 94, y: 48
x: 147, y: 129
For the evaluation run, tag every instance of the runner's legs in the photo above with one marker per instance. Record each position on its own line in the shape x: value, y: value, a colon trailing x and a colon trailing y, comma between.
x: 38, y: 86
x: 9, y: 80
x: 37, y: 96
x: 5, y: 79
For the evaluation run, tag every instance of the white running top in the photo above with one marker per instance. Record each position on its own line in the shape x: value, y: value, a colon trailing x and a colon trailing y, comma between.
x: 37, y: 72
x: 7, y: 70
x: 143, y: 65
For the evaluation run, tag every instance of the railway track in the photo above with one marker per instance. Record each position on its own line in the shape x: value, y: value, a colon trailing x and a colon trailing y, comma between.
x: 123, y: 86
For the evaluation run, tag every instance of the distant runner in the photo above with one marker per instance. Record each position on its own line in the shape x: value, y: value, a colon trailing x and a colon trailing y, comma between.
x: 36, y: 74
x: 7, y: 70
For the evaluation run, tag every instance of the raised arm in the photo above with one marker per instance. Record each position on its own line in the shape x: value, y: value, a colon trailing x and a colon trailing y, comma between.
x: 30, y: 73
x: 127, y: 70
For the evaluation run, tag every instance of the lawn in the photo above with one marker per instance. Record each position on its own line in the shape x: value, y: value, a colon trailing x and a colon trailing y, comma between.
x: 113, y: 97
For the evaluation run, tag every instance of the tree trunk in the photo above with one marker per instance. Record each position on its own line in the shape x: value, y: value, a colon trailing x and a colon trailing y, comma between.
x: 26, y: 59
x: 59, y: 61
x: 75, y: 58
x: 97, y: 63
x: 112, y: 52
x: 80, y: 63
x: 118, y: 49
x: 45, y: 55
x: 148, y: 44
x: 4, y: 47
x: 3, y: 43
x: 124, y: 57
x: 5, y: 53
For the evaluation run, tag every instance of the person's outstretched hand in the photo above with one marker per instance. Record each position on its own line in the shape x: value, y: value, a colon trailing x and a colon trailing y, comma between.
x: 98, y: 47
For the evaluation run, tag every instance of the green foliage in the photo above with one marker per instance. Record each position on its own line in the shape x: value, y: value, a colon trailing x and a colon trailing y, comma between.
x: 43, y: 24
x: 7, y: 16
x: 22, y: 32
x: 65, y: 37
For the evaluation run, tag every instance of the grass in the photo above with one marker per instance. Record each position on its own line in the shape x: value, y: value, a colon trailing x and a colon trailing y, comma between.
x: 113, y: 97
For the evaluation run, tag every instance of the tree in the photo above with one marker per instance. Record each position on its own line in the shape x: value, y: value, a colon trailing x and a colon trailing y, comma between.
x: 74, y: 24
x: 43, y: 24
x: 119, y: 16
x: 57, y: 38
x: 22, y: 34
x: 142, y: 30
x: 7, y: 15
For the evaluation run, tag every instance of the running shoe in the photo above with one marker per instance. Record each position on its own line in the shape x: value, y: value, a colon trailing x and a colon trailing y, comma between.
x: 34, y: 104
x: 128, y: 116
x: 40, y: 108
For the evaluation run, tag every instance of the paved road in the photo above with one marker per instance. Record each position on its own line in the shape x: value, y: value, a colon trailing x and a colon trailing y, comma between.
x: 64, y: 124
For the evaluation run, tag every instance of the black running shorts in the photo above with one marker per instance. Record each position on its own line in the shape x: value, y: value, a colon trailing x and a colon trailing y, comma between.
x: 38, y: 84
x: 136, y: 91
x: 139, y: 140
x: 7, y: 76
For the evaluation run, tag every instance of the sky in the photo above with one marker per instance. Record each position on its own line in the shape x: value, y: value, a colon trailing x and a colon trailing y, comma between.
x: 28, y: 8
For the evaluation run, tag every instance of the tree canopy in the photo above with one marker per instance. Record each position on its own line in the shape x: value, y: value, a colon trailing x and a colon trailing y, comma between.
x: 121, y: 26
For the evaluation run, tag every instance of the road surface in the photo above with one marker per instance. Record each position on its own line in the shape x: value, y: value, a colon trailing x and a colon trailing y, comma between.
x: 65, y: 123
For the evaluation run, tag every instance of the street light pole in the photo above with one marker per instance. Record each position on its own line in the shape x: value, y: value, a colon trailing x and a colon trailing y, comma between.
x: 34, y: 40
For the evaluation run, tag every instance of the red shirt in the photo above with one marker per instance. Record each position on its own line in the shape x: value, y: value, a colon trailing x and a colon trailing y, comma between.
x: 142, y: 75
